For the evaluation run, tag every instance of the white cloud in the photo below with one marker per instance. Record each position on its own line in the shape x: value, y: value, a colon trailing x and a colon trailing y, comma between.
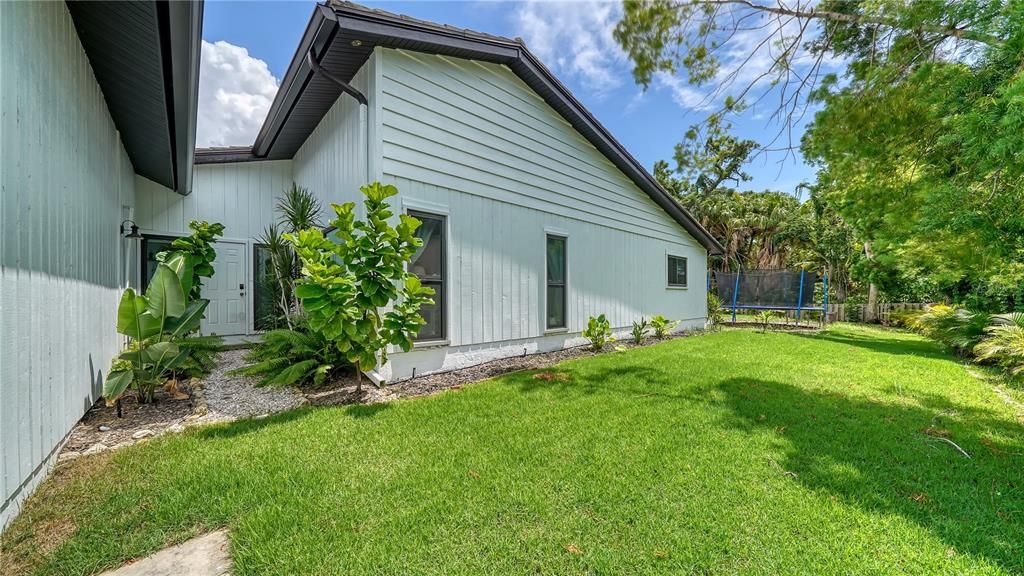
x: 575, y: 40
x: 235, y: 92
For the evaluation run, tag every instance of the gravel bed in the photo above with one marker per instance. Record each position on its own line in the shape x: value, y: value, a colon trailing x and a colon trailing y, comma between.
x: 229, y: 397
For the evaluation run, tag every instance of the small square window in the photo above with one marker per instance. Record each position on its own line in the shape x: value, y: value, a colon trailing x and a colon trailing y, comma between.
x: 676, y: 272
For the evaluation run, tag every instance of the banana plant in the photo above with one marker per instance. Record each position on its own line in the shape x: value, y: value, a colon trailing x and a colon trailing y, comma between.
x: 153, y: 321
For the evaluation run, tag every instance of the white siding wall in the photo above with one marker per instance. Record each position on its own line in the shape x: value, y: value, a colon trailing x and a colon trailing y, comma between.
x: 332, y: 162
x: 240, y: 196
x: 64, y: 180
x: 474, y: 140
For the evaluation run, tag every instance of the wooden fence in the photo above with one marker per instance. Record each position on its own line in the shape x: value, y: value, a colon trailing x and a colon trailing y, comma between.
x: 855, y: 312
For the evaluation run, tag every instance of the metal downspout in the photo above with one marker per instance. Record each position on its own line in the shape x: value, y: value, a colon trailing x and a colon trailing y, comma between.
x: 314, y: 64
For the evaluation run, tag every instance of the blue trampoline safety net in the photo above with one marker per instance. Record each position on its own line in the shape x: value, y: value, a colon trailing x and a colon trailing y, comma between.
x: 775, y: 289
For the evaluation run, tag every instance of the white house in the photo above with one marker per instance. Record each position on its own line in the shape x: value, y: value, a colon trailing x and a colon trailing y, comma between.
x: 535, y: 216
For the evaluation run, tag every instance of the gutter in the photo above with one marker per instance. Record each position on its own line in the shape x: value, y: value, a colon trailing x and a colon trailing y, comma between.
x: 364, y: 105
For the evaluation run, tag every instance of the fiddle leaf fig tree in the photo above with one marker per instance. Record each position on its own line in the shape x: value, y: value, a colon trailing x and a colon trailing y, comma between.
x: 192, y: 256
x: 354, y: 288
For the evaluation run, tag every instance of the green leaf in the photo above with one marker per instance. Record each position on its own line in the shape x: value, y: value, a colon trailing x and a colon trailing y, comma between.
x: 189, y: 320
x: 165, y: 296
x: 132, y: 318
x: 159, y: 352
x: 309, y: 291
x: 115, y: 385
x: 181, y: 264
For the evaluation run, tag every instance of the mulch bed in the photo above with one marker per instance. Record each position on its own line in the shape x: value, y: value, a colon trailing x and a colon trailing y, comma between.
x: 101, y: 429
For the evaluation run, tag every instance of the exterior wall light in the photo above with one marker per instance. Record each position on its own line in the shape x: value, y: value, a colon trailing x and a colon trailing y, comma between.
x: 134, y: 233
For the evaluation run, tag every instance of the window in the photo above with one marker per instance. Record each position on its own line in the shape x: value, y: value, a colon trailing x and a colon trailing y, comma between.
x: 267, y: 291
x: 428, y: 264
x: 151, y: 246
x: 676, y: 272
x: 556, y: 282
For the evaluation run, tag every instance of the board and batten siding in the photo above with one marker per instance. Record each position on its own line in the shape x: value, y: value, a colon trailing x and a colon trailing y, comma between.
x: 332, y: 162
x: 65, y: 185
x: 474, y: 141
x: 241, y: 196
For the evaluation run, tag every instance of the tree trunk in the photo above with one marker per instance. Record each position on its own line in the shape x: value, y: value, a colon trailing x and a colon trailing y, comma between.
x: 359, y: 380
x: 871, y: 307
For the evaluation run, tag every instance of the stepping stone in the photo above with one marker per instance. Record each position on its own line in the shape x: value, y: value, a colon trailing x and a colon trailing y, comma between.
x: 205, y: 555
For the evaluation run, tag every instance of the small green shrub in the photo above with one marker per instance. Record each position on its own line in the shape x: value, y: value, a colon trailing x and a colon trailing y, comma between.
x: 1004, y: 343
x: 298, y: 357
x: 957, y: 328
x: 598, y: 331
x: 201, y: 355
x: 662, y: 326
x: 905, y: 318
x: 765, y: 317
x: 715, y: 312
x: 640, y: 330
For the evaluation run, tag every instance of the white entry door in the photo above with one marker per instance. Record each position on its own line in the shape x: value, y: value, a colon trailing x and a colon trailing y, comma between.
x: 226, y: 290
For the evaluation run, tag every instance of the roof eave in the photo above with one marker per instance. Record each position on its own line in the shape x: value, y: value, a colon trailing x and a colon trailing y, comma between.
x: 319, y: 31
x: 379, y: 28
x: 185, y: 31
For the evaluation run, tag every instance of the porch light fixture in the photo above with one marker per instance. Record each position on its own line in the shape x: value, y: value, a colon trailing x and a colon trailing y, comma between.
x: 134, y: 234
x: 357, y: 43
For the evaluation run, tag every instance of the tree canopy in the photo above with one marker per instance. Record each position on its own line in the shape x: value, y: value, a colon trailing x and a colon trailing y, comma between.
x: 914, y: 113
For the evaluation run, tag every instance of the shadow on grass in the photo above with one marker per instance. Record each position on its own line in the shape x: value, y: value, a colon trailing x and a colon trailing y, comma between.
x: 922, y: 348
x: 249, y: 425
x: 878, y: 457
x: 632, y: 380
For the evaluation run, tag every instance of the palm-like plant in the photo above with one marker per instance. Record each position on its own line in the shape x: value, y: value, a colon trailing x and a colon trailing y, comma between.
x: 293, y: 358
x: 715, y: 313
x: 1004, y: 343
x: 298, y: 209
x: 958, y: 328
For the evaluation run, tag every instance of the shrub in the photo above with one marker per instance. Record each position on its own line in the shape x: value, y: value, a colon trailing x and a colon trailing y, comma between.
x: 905, y: 318
x: 957, y: 328
x: 640, y: 330
x: 715, y: 312
x: 297, y: 357
x: 662, y: 326
x: 765, y: 317
x: 348, y: 277
x: 598, y: 331
x: 1004, y: 343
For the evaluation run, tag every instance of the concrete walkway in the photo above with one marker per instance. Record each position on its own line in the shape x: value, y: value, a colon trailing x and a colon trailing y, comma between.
x: 206, y: 555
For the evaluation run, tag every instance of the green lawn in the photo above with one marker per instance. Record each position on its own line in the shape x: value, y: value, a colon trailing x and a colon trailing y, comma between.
x: 735, y: 452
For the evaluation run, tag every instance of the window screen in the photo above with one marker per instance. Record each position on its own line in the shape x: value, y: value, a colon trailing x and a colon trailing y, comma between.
x: 428, y: 264
x: 677, y: 271
x: 556, y: 282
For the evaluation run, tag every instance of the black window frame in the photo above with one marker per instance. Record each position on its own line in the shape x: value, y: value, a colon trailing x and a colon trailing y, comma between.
x: 257, y: 288
x: 564, y: 284
x: 440, y: 297
x: 669, y: 268
x: 143, y: 261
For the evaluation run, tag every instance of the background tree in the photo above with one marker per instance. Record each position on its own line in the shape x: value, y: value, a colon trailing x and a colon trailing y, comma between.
x: 916, y: 127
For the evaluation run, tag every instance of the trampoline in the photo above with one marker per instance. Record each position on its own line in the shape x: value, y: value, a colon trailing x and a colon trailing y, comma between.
x: 784, y: 290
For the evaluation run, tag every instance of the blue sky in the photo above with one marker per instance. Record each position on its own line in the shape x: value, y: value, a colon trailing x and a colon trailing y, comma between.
x: 572, y: 38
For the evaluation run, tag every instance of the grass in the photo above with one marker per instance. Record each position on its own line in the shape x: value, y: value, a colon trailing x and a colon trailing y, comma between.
x: 734, y: 452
